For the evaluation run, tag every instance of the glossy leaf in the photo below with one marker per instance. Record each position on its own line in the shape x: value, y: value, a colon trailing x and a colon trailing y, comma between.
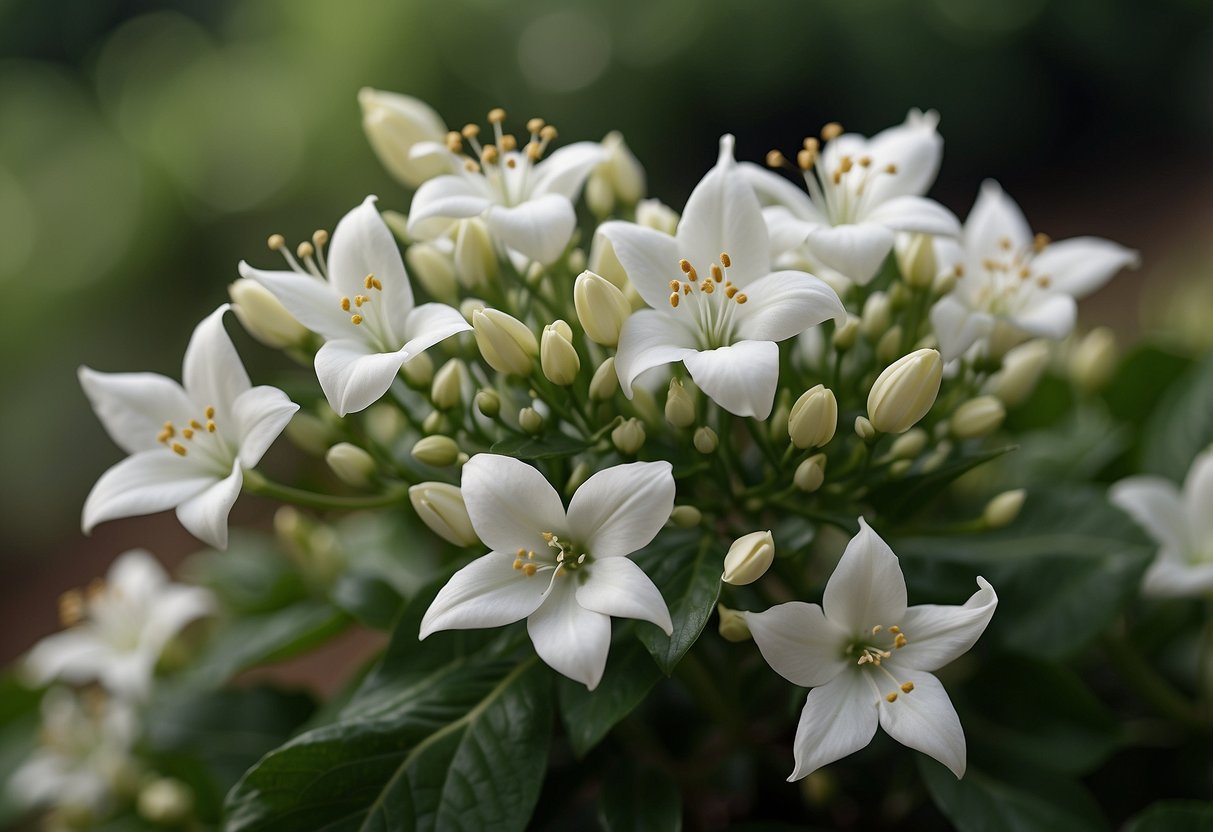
x: 589, y: 715
x: 688, y: 575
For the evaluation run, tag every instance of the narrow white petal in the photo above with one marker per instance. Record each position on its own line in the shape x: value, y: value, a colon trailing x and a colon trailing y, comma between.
x: 1081, y: 265
x: 133, y: 407
x: 774, y: 189
x: 430, y: 323
x: 1171, y: 575
x: 444, y: 199
x: 1155, y: 504
x: 740, y: 378
x: 995, y: 218
x: 917, y: 214
x: 799, y: 642
x: 171, y: 611
x: 838, y: 719
x: 618, y: 587
x: 363, y: 245
x: 569, y: 638
x: 76, y: 655
x: 854, y: 250
x: 510, y: 503
x: 784, y: 304
x: 867, y: 587
x: 957, y: 327
x: 924, y: 720
x: 787, y: 232
x: 212, y: 373
x: 260, y: 414
x: 488, y: 592
x: 540, y: 228
x: 915, y: 148
x: 621, y: 509
x: 353, y: 375
x: 723, y: 215
x: 1052, y: 316
x: 1198, y: 503
x: 137, y: 576
x: 649, y: 257
x: 312, y: 301
x: 565, y: 171
x: 650, y: 338
x: 144, y: 483
x: 936, y: 635
x: 205, y: 515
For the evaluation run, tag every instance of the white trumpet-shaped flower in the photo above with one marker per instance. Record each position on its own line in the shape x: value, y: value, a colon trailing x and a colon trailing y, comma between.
x: 524, y: 199
x: 188, y: 445
x: 1180, y: 521
x: 565, y: 572
x: 118, y: 628
x: 1008, y: 277
x: 861, y: 192
x: 722, y: 324
x: 868, y: 659
x: 361, y: 302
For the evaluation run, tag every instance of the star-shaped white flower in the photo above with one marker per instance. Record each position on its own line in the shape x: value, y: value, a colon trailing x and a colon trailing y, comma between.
x: 868, y: 659
x: 188, y: 445
x: 526, y: 201
x: 716, y: 305
x: 1010, y: 278
x: 860, y: 192
x: 118, y: 629
x: 362, y: 305
x: 1181, y: 522
x: 566, y: 573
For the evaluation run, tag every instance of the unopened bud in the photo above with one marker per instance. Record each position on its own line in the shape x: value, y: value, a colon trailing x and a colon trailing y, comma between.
x: 905, y: 391
x: 978, y: 417
x: 680, y: 404
x: 846, y: 333
x: 581, y: 473
x: 864, y: 429
x: 622, y: 170
x: 909, y: 445
x: 419, y: 371
x: 434, y: 270
x: 605, y: 263
x: 916, y: 260
x: 605, y: 382
x: 1003, y: 509
x: 263, y: 316
x: 888, y: 348
x: 1021, y: 370
x: 777, y: 422
x: 165, y: 801
x: 352, y: 465
x: 447, y: 390
x: 440, y: 506
x: 530, y: 420
x: 1093, y: 360
x: 937, y: 457
x: 435, y: 422
x: 876, y: 316
x: 309, y: 433
x: 733, y: 626
x: 899, y: 468
x: 686, y: 517
x: 814, y: 418
x: 557, y: 356
x: 628, y: 437
x: 439, y: 451
x: 704, y: 440
x: 748, y: 558
x: 468, y: 307
x: 488, y: 403
x: 810, y: 474
x: 601, y: 308
x: 655, y: 214
x: 506, y: 343
x: 475, y: 256
x: 394, y: 125
x: 599, y: 196
x: 384, y: 423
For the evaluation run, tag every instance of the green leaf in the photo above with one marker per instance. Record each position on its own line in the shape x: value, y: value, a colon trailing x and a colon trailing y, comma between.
x: 1172, y: 815
x: 251, y: 576
x: 1182, y: 424
x: 906, y: 495
x: 688, y: 576
x: 370, y: 599
x: 552, y: 446
x: 590, y: 715
x: 1141, y: 380
x: 639, y: 799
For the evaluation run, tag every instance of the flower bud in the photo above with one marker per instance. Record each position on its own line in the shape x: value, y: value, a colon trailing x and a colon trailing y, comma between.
x: 909, y: 445
x: 439, y: 451
x: 733, y: 626
x: 435, y: 422
x: 309, y: 433
x: 810, y: 474
x: 686, y: 517
x: 470, y: 306
x: 704, y: 440
x: 937, y: 457
x: 864, y: 429
x: 165, y: 801
x: 599, y: 196
x: 978, y: 417
x: 888, y: 348
x: 748, y: 558
x: 905, y: 391
x: 1021, y: 370
x: 945, y: 280
x: 1003, y: 509
x: 680, y: 404
x: 447, y: 389
x: 629, y: 436
x: 488, y: 403
x: 263, y: 316
x: 777, y: 422
x: 601, y: 308
x: 605, y: 263
x: 814, y: 418
x: 419, y: 371
x: 1093, y: 360
x: 916, y: 259
x: 622, y: 170
x: 506, y: 343
x: 877, y: 313
x: 384, y: 423
x: 655, y: 214
x: 352, y: 465
x: 900, y: 467
x: 846, y: 333
x: 434, y: 270
x: 605, y: 382
x: 440, y: 506
x: 530, y: 420
x: 557, y: 356
x: 581, y: 473
x: 406, y: 134
x: 475, y: 256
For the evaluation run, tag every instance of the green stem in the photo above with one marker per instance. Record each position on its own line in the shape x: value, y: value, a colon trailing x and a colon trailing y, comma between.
x: 1151, y: 686
x: 256, y: 483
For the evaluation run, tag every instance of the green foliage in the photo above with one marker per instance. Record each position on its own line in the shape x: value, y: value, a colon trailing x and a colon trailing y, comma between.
x: 589, y: 715
x: 639, y: 799
x: 1172, y: 815
x: 1182, y: 424
x: 551, y: 446
x: 688, y: 575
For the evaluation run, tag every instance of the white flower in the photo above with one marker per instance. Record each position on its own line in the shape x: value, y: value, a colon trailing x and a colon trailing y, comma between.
x: 860, y: 192
x: 526, y: 203
x: 118, y: 629
x: 406, y: 134
x: 869, y: 659
x: 188, y: 445
x: 1007, y: 276
x: 722, y: 324
x: 363, y: 307
x: 1181, y: 522
x: 567, y: 573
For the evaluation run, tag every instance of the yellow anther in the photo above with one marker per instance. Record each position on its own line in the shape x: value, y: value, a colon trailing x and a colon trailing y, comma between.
x: 810, y: 143
x: 725, y: 260
x: 356, y: 319
x: 685, y: 265
x: 707, y: 287
x: 775, y: 159
x: 675, y: 285
x: 674, y: 300
x: 1044, y: 282
x: 534, y: 151
x: 164, y: 436
x: 345, y: 304
x: 359, y: 300
x: 906, y: 687
x: 959, y: 270
x: 188, y: 433
x: 521, y: 552
x: 717, y: 274
x: 518, y: 563
x: 729, y: 291
x: 805, y: 159
x: 71, y: 608
x: 210, y: 426
x: 209, y: 412
x: 831, y: 131
x: 892, y: 697
x: 511, y: 163
x: 865, y: 161
x: 470, y: 131
x: 320, y: 237
x: 894, y: 629
x: 489, y: 154
x: 470, y: 166
x: 693, y: 275
x: 529, y: 569
x: 275, y: 242
x: 876, y: 629
x: 368, y: 281
x: 178, y: 449
x: 900, y: 641
x: 846, y: 164
x: 1040, y: 241
x: 837, y: 177
x: 195, y: 424
x: 376, y: 284
x: 548, y: 537
x: 508, y: 143
x: 1025, y: 273
x: 534, y: 125
x: 305, y: 249
x: 890, y: 168
x: 548, y: 133
x: 530, y: 555
x: 496, y: 115
x: 741, y: 297
x: 686, y: 288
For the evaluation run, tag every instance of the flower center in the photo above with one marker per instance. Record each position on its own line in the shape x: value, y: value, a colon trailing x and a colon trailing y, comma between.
x: 201, y: 437
x: 711, y: 301
x: 1008, y: 281
x: 561, y: 557
x: 505, y: 167
x: 871, y: 652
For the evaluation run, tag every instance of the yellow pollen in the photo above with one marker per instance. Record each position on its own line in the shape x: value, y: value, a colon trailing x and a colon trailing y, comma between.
x: 685, y: 265
x: 489, y: 155
x: 548, y: 537
x: 178, y: 449
x: 529, y: 569
x: 305, y: 249
x: 164, y: 436
x: 521, y: 552
x: 518, y: 564
x: 900, y: 641
x: 707, y: 287
x: 209, y: 412
x: 533, y: 151
x: 511, y: 163
x: 876, y: 629
x: 320, y: 237
x: 376, y: 284
x: 906, y: 687
x: 210, y: 425
x: 831, y: 131
x: 846, y: 164
x: 356, y: 319
x: 1040, y: 241
x: 865, y: 161
x: 454, y: 142
x: 674, y: 300
x: 508, y: 143
x: 775, y: 159
x: 741, y: 298
x: 810, y: 143
x: 725, y: 260
x: 470, y: 131
x: 892, y: 697
x: 1044, y: 282
x: 368, y: 281
x: 359, y: 300
x: 188, y: 433
x: 71, y: 608
x: 730, y: 290
x: 195, y: 424
x: 345, y: 304
x: 470, y: 166
x: 675, y: 285
x: 530, y: 555
x: 805, y: 159
x: 496, y: 115
x: 837, y: 177
x: 275, y: 242
x: 548, y: 133
x: 534, y: 125
x: 894, y: 629
x: 717, y: 274
x: 694, y: 275
x: 890, y: 168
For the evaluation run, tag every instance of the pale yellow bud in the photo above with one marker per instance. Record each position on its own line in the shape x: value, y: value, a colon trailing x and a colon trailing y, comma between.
x: 905, y: 391
x: 655, y: 214
x: 605, y: 382
x: 263, y: 316
x: 165, y: 801
x: 899, y: 468
x: 814, y: 418
x: 877, y: 312
x: 1003, y: 509
x: 1093, y: 360
x: 488, y: 403
x: 846, y: 333
x: 705, y: 440
x: 748, y: 558
x: 440, y: 506
x: 909, y: 445
x: 506, y: 343
x: 434, y: 270
x: 394, y: 124
x: 810, y: 474
x: 622, y: 169
x: 557, y: 356
x: 530, y: 420
x: 686, y: 517
x: 888, y: 348
x: 475, y: 256
x: 418, y: 371
x: 916, y: 260
x: 576, y: 260
x: 601, y: 308
x: 599, y: 195
x: 309, y: 433
x: 384, y: 423
x: 864, y: 429
x: 470, y: 306
x: 978, y: 417
x: 352, y: 465
x: 1021, y: 370
x: 603, y: 262
x: 629, y: 436
x: 439, y: 451
x: 435, y: 422
x: 732, y: 626
x: 680, y: 404
x: 447, y: 390
x: 581, y: 473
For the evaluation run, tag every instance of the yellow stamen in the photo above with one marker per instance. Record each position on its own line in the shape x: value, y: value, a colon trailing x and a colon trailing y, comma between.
x: 534, y: 125
x: 805, y: 159
x: 831, y: 131
x: 548, y: 133
x: 470, y: 131
x: 865, y: 161
x: 717, y: 274
x: 496, y: 115
x: 892, y: 697
x: 900, y: 641
x: 305, y: 250
x: 454, y: 142
x: 518, y: 563
x: 511, y: 163
x: 71, y: 608
x: 356, y: 319
x: 210, y: 425
x: 725, y: 260
x: 906, y: 687
x: 1040, y: 241
x: 345, y: 304
x: 178, y: 449
x: 195, y: 424
x: 685, y: 265
x: 320, y: 237
x: 521, y: 552
x: 741, y: 298
x: 775, y: 159
x: 209, y: 412
x: 529, y: 569
x: 489, y: 155
x: 674, y: 300
x: 188, y: 433
x: 810, y: 143
x: 890, y: 168
x: 368, y: 281
x: 275, y: 242
x: 508, y: 143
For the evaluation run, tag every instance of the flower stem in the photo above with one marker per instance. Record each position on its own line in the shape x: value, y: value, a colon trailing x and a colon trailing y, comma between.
x: 256, y: 483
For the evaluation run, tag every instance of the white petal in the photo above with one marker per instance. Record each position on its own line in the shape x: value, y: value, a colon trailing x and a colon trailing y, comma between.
x: 569, y: 638
x: 787, y: 232
x: 205, y: 515
x: 1198, y: 502
x: 915, y: 148
x: 740, y: 378
x: 854, y: 250
x: 925, y: 720
x: 649, y: 257
x: 310, y: 300
x: 137, y: 576
x: 773, y: 189
x: 1155, y: 504
x: 1051, y: 316
x: 510, y: 503
x: 488, y: 592
x: 444, y: 199
x: 784, y: 304
x: 957, y: 327
x: 353, y: 375
x: 621, y: 509
x: 1172, y: 576
x: 995, y: 217
x: 362, y: 246
x: 650, y: 338
x: 260, y: 414
x: 936, y: 635
x: 540, y: 228
x: 430, y: 323
x: 867, y: 587
x: 723, y: 215
x: 799, y: 642
x: 212, y: 373
x: 144, y: 483
x: 1080, y: 266
x: 176, y: 606
x: 914, y: 213
x: 133, y: 407
x: 838, y: 719
x: 618, y: 587
x: 564, y: 172
x: 76, y: 655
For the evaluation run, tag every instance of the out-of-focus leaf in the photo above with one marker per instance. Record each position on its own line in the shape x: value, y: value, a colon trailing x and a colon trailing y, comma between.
x: 370, y: 599
x: 639, y: 799
x: 251, y: 576
x: 1140, y: 381
x: 553, y: 446
x: 688, y: 575
x: 589, y: 715
x: 1182, y: 424
x: 1075, y: 449
x: 19, y: 720
x: 900, y: 497
x: 1174, y: 815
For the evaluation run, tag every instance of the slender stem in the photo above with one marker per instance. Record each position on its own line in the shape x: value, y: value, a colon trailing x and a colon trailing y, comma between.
x: 1151, y: 686
x: 256, y: 483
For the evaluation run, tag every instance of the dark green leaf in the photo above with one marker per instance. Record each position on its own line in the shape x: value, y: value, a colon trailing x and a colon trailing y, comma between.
x: 637, y: 799
x: 251, y: 576
x: 1174, y: 815
x: 267, y: 637
x: 1182, y: 424
x: 688, y: 576
x: 553, y: 446
x: 1141, y: 380
x: 589, y: 715
x: 903, y: 496
x: 370, y: 599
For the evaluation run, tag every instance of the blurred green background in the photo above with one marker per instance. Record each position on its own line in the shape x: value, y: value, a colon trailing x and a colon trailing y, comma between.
x: 145, y: 148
